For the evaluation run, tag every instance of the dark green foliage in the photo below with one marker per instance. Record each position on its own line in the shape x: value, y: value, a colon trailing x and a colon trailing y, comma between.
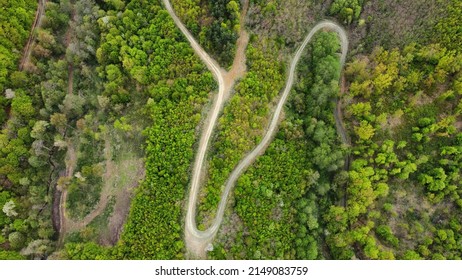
x: 156, y: 58
x: 278, y: 200
x: 215, y: 24
x: 222, y: 41
x: 222, y: 33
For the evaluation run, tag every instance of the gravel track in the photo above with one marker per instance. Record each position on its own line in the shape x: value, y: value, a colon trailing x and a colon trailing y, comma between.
x: 196, y: 240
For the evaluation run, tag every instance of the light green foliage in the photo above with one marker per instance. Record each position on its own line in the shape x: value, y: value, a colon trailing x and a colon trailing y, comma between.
x: 448, y: 29
x: 8, y: 209
x: 365, y: 130
x: 346, y: 10
x: 243, y: 120
x: 385, y: 232
x: 414, y: 148
x: 22, y: 105
x: 177, y: 86
x: 87, y: 251
x: 190, y: 12
x: 4, y: 218
x: 16, y: 19
x: 10, y: 255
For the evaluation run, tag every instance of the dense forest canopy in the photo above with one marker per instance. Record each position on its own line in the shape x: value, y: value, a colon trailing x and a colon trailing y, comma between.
x: 103, y: 104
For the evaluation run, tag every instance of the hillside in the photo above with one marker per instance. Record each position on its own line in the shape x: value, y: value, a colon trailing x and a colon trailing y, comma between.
x: 252, y: 129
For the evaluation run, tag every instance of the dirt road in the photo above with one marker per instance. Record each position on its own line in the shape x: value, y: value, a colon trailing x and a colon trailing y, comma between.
x: 197, y: 241
x: 37, y: 22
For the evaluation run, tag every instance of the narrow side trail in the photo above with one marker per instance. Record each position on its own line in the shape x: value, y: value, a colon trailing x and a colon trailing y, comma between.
x: 37, y: 23
x: 67, y: 223
x: 197, y: 241
x: 339, y: 117
x: 110, y: 188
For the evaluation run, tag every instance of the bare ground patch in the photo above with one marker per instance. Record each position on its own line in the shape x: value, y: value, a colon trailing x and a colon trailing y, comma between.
x: 120, y: 178
x: 126, y: 177
x: 413, y: 215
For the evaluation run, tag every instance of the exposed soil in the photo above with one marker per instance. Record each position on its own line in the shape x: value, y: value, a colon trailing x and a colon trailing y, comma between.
x: 339, y: 116
x: 55, y: 213
x: 71, y: 157
x: 393, y: 121
x: 239, y: 68
x: 111, y: 188
x: 458, y: 125
x: 33, y: 34
x: 61, y: 220
x: 70, y: 84
x: 197, y: 242
x: 68, y: 40
x: 123, y: 195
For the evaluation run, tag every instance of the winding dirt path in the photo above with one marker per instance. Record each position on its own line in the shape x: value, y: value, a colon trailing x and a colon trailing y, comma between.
x: 109, y: 189
x: 67, y: 223
x: 197, y: 241
x: 37, y: 23
x: 71, y: 163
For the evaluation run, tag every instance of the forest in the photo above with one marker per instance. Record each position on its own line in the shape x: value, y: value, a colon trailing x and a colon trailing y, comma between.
x: 103, y: 103
x: 281, y: 219
x: 16, y: 19
x: 214, y: 23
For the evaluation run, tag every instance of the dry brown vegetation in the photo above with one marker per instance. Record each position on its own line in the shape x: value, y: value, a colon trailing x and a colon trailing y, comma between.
x: 395, y: 23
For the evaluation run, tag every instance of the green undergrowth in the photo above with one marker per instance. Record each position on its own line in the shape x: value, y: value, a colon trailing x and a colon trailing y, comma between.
x: 92, y: 232
x: 215, y: 24
x: 178, y: 86
x: 404, y: 189
x: 16, y: 18
x: 279, y: 201
x: 85, y: 184
x: 245, y: 116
